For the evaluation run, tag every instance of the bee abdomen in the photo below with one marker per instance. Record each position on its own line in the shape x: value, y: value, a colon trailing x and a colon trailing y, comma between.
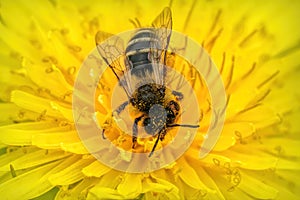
x: 139, y: 46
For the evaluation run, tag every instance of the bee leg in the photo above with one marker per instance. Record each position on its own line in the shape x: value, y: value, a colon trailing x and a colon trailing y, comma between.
x: 103, y: 135
x: 135, y: 130
x: 178, y: 95
x: 121, y: 107
x: 162, y: 136
x: 161, y: 132
x: 118, y: 111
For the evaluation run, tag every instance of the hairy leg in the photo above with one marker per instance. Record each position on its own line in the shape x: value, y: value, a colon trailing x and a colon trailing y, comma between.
x: 119, y: 109
x: 135, y: 130
x: 178, y: 95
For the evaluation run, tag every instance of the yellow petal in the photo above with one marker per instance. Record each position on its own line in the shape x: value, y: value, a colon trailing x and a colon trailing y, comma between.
x: 95, y: 169
x: 224, y: 142
x: 34, y: 159
x: 55, y: 139
x: 256, y: 188
x: 34, y: 103
x: 54, y: 80
x: 131, y: 185
x: 255, y: 159
x: 72, y: 172
x: 23, y: 133
x: 77, y: 192
x: 189, y: 176
x: 9, y: 113
x: 74, y: 147
x: 104, y: 193
x: 14, y: 154
x: 34, y: 183
x: 260, y: 115
x: 161, y: 186
x: 215, y: 192
x: 232, y: 133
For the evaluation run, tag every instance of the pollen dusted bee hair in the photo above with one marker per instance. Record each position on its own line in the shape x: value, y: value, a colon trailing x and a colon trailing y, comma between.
x: 144, y: 82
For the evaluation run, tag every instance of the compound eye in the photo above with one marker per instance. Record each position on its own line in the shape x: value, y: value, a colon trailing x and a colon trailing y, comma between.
x: 146, y: 121
x: 174, y: 105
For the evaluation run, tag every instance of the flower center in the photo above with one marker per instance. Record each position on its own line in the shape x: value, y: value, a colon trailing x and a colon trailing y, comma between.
x: 149, y: 112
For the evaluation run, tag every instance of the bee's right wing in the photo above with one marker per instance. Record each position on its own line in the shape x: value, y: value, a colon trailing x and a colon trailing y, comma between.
x: 163, y: 25
x: 110, y: 51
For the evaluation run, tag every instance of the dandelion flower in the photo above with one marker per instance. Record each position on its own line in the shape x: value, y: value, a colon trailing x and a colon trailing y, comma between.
x: 255, y: 45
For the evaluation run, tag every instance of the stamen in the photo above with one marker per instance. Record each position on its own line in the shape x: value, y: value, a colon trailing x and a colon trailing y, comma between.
x: 247, y: 38
x: 239, y: 137
x: 209, y: 105
x: 216, y: 161
x: 209, y: 68
x: 223, y: 62
x: 288, y: 51
x: 212, y: 42
x: 2, y: 21
x: 229, y: 78
x: 201, y: 194
x: 226, y: 165
x: 250, y: 71
x: 216, y: 118
x: 188, y: 17
x: 36, y: 44
x: 72, y: 70
x: 20, y: 72
x: 138, y: 22
x: 53, y: 3
x: 212, y: 28
x: 264, y: 96
x: 226, y: 105
x: 42, y: 116
x: 16, y: 55
x: 12, y: 171
x: 49, y: 70
x: 248, y: 108
x: 268, y: 79
x: 74, y: 48
x: 21, y: 114
x: 64, y: 31
x: 50, y: 59
x: 133, y: 23
x: 93, y: 26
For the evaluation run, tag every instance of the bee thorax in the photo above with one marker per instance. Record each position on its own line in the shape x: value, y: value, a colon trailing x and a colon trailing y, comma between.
x: 148, y: 95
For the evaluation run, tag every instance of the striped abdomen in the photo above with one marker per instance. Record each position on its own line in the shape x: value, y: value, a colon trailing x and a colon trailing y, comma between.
x: 138, y: 49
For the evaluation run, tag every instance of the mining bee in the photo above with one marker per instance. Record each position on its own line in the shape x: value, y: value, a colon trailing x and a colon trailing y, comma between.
x: 144, y: 82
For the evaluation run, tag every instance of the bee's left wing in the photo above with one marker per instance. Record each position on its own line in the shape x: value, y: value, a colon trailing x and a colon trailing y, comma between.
x: 163, y: 30
x: 110, y: 51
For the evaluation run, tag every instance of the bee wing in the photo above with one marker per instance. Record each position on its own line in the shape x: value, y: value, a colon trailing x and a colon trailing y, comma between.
x: 110, y: 51
x: 164, y: 21
x: 163, y: 26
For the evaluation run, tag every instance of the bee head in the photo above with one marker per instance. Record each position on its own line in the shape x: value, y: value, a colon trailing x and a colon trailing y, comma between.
x: 160, y: 116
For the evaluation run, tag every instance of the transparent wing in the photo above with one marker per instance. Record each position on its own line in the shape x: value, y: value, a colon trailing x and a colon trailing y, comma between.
x: 163, y: 24
x: 111, y: 48
x: 159, y: 44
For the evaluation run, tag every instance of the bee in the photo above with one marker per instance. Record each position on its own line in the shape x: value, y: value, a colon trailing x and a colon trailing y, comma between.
x: 142, y: 77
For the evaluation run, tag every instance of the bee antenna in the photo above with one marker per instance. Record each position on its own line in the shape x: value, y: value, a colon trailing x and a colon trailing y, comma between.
x: 133, y: 23
x: 156, y: 142
x: 183, y: 125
